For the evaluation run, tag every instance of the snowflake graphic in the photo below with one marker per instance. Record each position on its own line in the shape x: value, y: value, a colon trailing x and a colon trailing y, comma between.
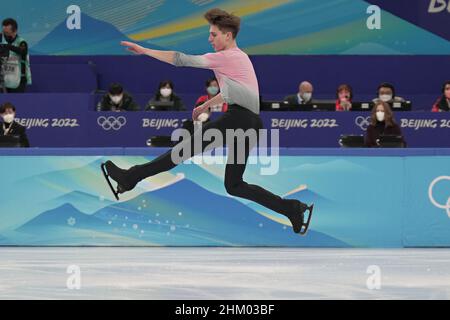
x: 71, y: 221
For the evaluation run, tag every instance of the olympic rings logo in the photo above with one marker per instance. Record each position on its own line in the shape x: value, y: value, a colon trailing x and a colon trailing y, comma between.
x: 108, y: 123
x: 446, y: 206
x: 362, y: 122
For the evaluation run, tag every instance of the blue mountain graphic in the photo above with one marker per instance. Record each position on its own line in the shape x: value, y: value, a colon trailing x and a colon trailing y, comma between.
x: 222, y: 219
x: 65, y: 215
x: 83, y: 201
x: 180, y: 214
x: 95, y: 36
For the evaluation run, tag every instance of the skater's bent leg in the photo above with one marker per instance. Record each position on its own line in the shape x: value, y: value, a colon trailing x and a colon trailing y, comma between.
x: 236, y: 186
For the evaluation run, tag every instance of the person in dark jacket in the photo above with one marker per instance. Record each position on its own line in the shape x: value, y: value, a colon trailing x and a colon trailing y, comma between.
x: 304, y: 95
x: 117, y: 100
x: 166, y: 93
x: 9, y: 127
x: 381, y: 123
x: 386, y: 93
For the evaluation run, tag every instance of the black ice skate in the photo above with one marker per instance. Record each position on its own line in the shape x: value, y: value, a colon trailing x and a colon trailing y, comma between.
x: 298, y: 219
x: 110, y: 170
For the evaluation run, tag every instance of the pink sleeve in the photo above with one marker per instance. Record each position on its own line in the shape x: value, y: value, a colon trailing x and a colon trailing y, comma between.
x: 206, y: 61
x: 214, y: 60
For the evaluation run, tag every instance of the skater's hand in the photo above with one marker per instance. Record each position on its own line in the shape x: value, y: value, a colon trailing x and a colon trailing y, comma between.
x: 199, y: 110
x: 133, y: 47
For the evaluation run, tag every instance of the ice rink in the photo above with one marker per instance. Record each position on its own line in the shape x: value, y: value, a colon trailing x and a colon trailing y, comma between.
x: 223, y: 273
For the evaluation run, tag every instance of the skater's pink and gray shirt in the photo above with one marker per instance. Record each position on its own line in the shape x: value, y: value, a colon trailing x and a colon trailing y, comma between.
x: 234, y: 72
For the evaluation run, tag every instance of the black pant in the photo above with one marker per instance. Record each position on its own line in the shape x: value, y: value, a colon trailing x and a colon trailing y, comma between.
x: 20, y: 88
x: 235, y: 118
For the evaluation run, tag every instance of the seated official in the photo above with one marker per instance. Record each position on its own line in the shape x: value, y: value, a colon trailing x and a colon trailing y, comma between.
x: 304, y: 95
x: 18, y: 74
x: 165, y: 93
x: 386, y: 93
x: 344, y: 96
x: 443, y: 103
x: 9, y: 127
x: 117, y: 100
x: 212, y: 89
x: 382, y: 122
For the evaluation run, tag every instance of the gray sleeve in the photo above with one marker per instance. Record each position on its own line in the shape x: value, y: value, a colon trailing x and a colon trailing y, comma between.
x: 185, y: 60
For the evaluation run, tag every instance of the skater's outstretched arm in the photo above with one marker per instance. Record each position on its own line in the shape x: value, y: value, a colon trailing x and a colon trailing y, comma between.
x: 210, y: 61
x: 207, y: 61
x: 164, y: 56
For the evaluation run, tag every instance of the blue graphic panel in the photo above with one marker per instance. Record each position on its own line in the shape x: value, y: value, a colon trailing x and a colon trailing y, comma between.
x: 361, y: 201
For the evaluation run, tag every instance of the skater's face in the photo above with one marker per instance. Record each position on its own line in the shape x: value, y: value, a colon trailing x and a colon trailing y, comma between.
x: 218, y: 39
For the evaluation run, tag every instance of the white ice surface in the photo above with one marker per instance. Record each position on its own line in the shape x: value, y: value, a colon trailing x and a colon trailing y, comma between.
x: 223, y: 273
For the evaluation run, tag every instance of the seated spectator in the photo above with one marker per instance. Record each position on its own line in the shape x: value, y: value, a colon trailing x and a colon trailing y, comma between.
x: 117, y: 100
x: 212, y: 89
x: 304, y: 95
x: 166, y: 93
x: 381, y: 123
x: 443, y: 103
x: 344, y: 95
x: 386, y: 93
x: 9, y: 127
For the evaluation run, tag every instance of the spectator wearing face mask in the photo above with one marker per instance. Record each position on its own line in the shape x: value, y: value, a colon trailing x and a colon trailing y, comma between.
x: 344, y: 95
x: 212, y: 89
x: 117, y: 100
x: 18, y: 74
x: 443, y: 103
x: 304, y: 95
x: 166, y: 93
x: 386, y: 93
x: 9, y: 127
x: 382, y: 122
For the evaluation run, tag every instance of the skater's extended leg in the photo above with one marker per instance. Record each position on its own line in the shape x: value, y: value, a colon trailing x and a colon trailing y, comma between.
x: 236, y: 186
x: 186, y: 149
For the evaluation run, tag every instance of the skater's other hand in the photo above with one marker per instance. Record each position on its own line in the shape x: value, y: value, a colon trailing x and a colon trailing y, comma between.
x: 199, y: 110
x: 133, y: 47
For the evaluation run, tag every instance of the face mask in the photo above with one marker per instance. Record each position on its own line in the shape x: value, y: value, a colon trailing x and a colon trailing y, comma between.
x: 213, y: 90
x: 380, y: 116
x: 386, y: 97
x: 116, y: 99
x: 165, y: 92
x: 8, y: 118
x: 307, y: 96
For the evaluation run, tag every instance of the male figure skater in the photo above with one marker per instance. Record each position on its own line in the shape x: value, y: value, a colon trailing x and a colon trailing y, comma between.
x: 239, y: 88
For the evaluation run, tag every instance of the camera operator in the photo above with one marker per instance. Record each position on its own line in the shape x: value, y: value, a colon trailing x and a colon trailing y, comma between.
x: 17, y: 74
